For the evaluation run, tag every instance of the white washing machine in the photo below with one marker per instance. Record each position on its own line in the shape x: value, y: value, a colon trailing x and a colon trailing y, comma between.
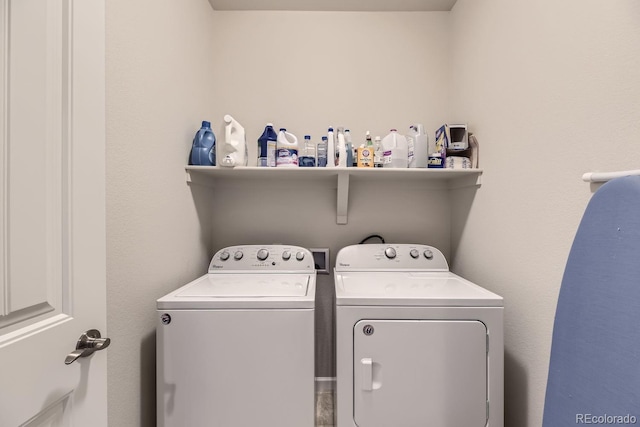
x: 235, y: 347
x: 416, y: 345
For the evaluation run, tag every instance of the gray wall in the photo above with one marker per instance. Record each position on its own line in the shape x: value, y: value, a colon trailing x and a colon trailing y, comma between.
x: 158, y: 89
x: 552, y: 90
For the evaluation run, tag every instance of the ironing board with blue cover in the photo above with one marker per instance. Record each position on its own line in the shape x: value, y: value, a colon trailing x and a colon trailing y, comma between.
x: 594, y: 369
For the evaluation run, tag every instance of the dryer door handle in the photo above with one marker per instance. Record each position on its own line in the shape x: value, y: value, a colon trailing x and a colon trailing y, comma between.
x: 367, y: 374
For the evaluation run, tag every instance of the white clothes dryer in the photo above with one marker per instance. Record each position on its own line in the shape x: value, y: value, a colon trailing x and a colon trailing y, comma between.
x: 416, y: 345
x: 235, y: 347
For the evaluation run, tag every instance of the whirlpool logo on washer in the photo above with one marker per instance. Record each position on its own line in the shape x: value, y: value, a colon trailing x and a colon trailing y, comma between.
x: 342, y: 264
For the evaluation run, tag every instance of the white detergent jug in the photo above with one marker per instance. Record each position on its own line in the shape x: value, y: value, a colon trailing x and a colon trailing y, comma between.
x: 418, y: 143
x: 233, y: 152
x: 395, y: 150
x: 287, y: 149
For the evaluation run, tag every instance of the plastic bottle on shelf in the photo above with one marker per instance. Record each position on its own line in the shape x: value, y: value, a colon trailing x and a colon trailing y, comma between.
x: 418, y: 143
x: 287, y: 149
x: 395, y: 150
x: 352, y: 160
x: 234, y: 149
x: 322, y: 153
x: 378, y: 153
x: 388, y: 144
x: 266, y: 141
x: 367, y: 139
x: 331, y: 149
x: 203, y: 149
x: 341, y: 150
x: 308, y: 153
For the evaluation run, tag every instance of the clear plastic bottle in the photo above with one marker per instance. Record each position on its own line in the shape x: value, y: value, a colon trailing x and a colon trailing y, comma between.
x: 367, y: 138
x: 322, y: 153
x: 350, y: 150
x: 395, y: 150
x: 307, y: 157
x: 378, y: 153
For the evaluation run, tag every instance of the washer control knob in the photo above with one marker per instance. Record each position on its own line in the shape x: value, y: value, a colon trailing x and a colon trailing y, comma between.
x: 263, y: 254
x: 238, y: 255
x: 414, y: 253
x: 390, y: 253
x: 299, y: 256
x: 286, y: 255
x: 428, y: 254
x: 224, y: 256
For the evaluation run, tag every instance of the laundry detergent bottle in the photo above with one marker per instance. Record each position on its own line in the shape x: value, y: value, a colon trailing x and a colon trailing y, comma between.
x: 267, y: 147
x: 203, y: 150
x: 287, y: 149
x: 418, y: 142
x: 234, y: 149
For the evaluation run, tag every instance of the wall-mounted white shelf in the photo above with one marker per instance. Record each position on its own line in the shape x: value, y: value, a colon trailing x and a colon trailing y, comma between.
x: 336, y: 5
x: 338, y: 177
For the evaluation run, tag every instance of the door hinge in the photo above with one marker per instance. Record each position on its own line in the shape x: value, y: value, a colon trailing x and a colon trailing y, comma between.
x: 487, y: 409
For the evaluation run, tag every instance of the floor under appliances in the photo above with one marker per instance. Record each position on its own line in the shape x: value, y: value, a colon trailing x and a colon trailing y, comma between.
x: 416, y: 344
x: 235, y: 347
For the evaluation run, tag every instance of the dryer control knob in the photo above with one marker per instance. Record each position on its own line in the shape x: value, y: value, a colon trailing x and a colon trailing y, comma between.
x: 299, y: 256
x: 286, y: 255
x: 428, y: 254
x: 390, y: 253
x: 263, y: 254
x: 224, y: 256
x: 238, y: 255
x: 414, y: 253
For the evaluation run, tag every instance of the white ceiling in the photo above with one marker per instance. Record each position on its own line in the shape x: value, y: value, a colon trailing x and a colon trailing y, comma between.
x: 335, y: 5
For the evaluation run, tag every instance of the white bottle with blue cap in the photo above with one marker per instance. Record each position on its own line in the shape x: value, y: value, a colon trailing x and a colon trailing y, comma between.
x: 287, y: 152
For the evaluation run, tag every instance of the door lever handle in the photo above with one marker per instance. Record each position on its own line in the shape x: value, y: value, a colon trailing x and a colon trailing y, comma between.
x: 88, y: 343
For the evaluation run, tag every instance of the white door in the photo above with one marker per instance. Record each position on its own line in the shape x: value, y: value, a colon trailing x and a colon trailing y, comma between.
x: 52, y: 215
x: 416, y: 373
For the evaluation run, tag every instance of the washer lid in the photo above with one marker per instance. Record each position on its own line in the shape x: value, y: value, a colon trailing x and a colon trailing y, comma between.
x: 435, y: 289
x: 243, y: 291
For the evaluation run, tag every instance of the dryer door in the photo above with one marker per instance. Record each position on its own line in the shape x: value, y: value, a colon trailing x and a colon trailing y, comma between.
x: 414, y: 373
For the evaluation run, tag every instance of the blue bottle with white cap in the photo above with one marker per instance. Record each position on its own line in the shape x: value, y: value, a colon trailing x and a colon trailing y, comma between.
x: 203, y: 149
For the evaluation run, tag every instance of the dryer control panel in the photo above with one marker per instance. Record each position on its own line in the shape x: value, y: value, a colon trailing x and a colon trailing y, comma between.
x: 263, y: 258
x: 393, y: 256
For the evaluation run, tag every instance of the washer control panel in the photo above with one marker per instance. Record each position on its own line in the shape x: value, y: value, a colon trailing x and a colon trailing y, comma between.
x: 277, y: 258
x: 394, y: 256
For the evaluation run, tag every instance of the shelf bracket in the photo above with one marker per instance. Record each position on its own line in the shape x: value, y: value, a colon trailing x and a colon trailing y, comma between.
x: 343, y: 197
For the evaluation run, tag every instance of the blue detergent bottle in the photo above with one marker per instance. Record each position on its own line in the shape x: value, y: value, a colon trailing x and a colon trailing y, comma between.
x: 203, y: 151
x: 267, y: 147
